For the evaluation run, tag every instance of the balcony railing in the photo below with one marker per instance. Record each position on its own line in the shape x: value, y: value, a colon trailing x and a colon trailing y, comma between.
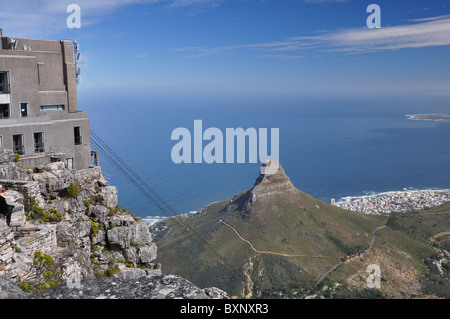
x: 39, y: 148
x: 4, y: 88
x: 19, y: 149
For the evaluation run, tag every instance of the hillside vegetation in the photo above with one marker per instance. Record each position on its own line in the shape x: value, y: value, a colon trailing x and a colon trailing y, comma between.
x: 277, y: 241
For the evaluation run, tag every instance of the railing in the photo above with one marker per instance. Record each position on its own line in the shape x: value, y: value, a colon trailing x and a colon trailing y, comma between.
x: 4, y: 88
x: 19, y: 149
x: 39, y: 148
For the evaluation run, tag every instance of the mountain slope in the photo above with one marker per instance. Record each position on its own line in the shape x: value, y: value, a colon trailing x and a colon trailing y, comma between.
x: 407, y: 251
x: 272, y: 238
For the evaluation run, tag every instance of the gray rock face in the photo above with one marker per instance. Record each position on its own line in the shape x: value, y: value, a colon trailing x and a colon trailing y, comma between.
x: 6, y: 155
x: 99, y: 212
x: 149, y: 287
x: 95, y: 239
x: 126, y: 236
x: 9, y: 290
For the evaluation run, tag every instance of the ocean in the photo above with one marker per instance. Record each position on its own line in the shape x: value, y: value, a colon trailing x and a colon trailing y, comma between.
x: 329, y: 147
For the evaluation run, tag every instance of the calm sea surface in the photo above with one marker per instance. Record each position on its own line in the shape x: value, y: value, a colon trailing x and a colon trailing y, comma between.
x: 330, y: 148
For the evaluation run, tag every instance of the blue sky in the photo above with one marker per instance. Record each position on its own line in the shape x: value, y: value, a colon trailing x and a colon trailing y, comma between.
x: 288, y: 47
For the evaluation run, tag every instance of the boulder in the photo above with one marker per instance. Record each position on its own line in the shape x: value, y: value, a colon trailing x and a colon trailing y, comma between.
x: 9, y: 290
x: 6, y: 155
x: 119, y: 236
x: 147, y: 254
x: 110, y: 196
x: 17, y: 218
x: 99, y: 213
x: 132, y: 235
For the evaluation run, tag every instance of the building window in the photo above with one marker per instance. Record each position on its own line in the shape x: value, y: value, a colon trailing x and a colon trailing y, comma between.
x: 1, y: 141
x: 4, y: 111
x: 39, y: 146
x: 45, y: 108
x: 4, y: 84
x: 18, y: 147
x: 77, y: 134
x: 24, y: 109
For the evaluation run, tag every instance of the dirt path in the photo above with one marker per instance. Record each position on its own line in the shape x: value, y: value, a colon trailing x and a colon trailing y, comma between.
x: 374, y: 235
x: 269, y: 252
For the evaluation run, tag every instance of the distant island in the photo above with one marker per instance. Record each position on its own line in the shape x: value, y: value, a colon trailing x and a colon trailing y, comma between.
x: 429, y: 117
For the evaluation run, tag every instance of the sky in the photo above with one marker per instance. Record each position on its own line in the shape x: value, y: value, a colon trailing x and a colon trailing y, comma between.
x: 252, y: 47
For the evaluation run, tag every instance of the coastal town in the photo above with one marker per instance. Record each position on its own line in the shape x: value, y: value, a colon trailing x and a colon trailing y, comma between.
x: 389, y: 202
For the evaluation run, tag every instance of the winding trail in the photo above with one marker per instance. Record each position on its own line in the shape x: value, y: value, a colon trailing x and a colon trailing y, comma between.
x: 269, y: 252
x: 374, y: 235
x: 321, y: 277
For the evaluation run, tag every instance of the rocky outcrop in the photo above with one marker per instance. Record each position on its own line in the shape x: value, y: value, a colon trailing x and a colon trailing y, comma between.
x: 8, y: 168
x: 271, y: 184
x: 95, y: 230
x: 148, y: 287
x: 99, y: 250
x: 144, y: 287
x: 9, y: 290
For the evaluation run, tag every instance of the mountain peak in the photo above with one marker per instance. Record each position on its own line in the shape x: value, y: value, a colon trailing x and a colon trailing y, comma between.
x: 271, y: 171
x: 272, y: 181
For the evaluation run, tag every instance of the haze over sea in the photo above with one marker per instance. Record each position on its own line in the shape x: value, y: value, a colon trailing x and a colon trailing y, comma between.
x: 329, y: 147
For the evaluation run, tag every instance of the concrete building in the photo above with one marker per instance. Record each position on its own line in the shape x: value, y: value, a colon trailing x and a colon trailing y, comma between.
x: 39, y: 117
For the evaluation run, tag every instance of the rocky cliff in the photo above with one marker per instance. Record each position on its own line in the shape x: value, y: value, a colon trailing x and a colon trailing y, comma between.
x: 272, y: 182
x: 64, y: 228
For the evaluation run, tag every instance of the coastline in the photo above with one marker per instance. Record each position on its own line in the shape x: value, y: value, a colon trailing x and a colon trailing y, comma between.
x: 346, y: 200
x: 368, y: 194
x: 395, y: 201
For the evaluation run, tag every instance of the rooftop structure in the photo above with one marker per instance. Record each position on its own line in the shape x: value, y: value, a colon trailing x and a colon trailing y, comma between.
x: 39, y: 117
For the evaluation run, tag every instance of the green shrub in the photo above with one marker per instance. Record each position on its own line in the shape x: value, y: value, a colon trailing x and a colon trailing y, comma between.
x: 112, y: 270
x: 114, y: 211
x: 73, y: 190
x: 52, y: 215
x: 37, y: 213
x: 28, y: 202
x: 94, y: 229
x: 26, y: 287
x: 47, y: 273
x: 16, y: 157
x: 97, y: 199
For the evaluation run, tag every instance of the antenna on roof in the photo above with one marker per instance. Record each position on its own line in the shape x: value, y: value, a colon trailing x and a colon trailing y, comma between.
x: 14, y: 44
x: 77, y: 55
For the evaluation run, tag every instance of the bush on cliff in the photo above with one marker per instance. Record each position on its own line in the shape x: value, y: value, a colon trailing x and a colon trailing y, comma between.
x: 48, y: 274
x: 72, y: 191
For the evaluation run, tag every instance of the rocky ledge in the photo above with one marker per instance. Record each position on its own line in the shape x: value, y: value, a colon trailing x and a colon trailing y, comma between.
x: 59, y: 226
x: 147, y: 287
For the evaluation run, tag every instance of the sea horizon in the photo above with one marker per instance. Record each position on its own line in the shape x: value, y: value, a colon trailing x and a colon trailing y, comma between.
x: 329, y: 148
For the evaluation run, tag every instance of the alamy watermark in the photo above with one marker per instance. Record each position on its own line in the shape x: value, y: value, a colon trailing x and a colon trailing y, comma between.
x: 229, y: 148
x: 74, y: 19
x: 374, y: 20
x: 374, y: 278
x: 72, y: 275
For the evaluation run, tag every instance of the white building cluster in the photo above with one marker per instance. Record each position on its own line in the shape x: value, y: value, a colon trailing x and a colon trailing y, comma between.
x: 401, y: 201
